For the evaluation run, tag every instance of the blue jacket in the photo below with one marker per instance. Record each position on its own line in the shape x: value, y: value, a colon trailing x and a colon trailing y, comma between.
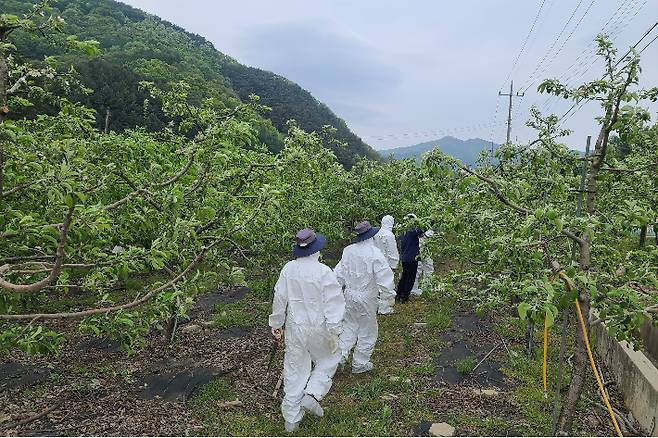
x: 410, y: 245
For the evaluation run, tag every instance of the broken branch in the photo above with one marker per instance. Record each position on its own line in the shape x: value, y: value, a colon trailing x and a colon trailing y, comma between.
x: 57, y: 267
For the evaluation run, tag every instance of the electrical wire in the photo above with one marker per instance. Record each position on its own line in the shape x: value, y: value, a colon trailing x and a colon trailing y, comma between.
x: 624, y: 21
x: 588, y: 56
x: 618, y: 23
x: 567, y: 115
x: 525, y: 42
x: 550, y: 50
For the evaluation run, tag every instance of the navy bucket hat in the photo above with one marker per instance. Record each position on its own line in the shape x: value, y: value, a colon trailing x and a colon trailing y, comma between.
x: 364, y: 231
x: 308, y: 242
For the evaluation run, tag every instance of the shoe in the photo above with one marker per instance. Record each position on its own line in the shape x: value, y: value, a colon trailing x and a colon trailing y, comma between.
x: 312, y: 405
x: 416, y: 292
x: 342, y: 363
x: 368, y: 366
x: 291, y: 427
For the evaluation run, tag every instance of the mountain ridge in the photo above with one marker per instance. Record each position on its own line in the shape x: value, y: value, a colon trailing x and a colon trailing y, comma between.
x: 138, y: 46
x: 467, y: 151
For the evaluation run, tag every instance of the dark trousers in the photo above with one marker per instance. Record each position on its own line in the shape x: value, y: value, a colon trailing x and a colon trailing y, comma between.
x: 407, y: 279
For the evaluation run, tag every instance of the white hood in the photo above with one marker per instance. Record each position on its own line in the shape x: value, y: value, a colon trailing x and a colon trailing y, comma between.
x: 388, y: 222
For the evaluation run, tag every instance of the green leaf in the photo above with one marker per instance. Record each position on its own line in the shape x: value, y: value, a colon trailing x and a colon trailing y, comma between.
x: 550, y: 318
x: 523, y: 310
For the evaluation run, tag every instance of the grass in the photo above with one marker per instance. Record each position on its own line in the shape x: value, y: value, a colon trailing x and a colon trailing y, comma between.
x: 242, y: 314
x: 466, y: 365
x: 387, y: 401
x: 400, y: 392
x: 490, y: 425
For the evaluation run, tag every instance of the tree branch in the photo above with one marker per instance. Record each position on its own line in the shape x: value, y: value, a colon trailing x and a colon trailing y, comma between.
x: 496, y: 191
x: 21, y: 187
x: 180, y: 173
x: 493, y: 186
x: 57, y: 267
x: 144, y: 190
x: 235, y: 191
x: 621, y: 169
x: 134, y: 303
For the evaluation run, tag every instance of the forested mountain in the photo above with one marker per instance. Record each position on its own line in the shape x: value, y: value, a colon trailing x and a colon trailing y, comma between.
x: 137, y: 46
x: 467, y: 151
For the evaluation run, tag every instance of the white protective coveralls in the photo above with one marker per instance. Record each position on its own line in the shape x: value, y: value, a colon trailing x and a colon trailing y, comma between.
x: 309, y: 299
x: 425, y: 266
x: 366, y: 276
x: 385, y: 241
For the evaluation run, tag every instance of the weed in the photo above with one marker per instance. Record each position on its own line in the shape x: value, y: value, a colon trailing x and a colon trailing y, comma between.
x: 237, y: 314
x: 466, y: 365
x: 424, y: 369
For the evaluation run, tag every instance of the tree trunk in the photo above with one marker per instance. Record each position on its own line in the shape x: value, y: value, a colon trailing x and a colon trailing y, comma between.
x: 530, y: 335
x: 598, y: 159
x: 580, y: 354
x: 579, y: 371
x: 655, y: 233
x: 4, y: 110
x: 169, y: 330
x: 643, y: 235
x: 4, y: 86
x: 107, y: 122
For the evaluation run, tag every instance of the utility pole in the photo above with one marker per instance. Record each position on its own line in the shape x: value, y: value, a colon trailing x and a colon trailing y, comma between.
x: 509, y: 110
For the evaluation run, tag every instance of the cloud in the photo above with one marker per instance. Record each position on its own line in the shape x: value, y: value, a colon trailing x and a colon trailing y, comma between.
x: 339, y: 69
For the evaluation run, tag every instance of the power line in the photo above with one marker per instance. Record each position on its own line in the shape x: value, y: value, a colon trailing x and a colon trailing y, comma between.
x: 650, y: 42
x: 567, y: 115
x: 493, y: 125
x: 638, y: 43
x: 588, y: 61
x: 429, y: 133
x: 525, y: 42
x: 550, y: 50
x: 512, y: 70
x: 557, y: 53
x: 541, y: 66
x: 617, y: 22
x: 624, y: 21
x: 564, y: 43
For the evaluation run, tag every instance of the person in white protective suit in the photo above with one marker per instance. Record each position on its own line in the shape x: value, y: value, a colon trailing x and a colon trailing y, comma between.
x: 367, y: 277
x: 425, y: 266
x: 309, y: 300
x: 385, y: 241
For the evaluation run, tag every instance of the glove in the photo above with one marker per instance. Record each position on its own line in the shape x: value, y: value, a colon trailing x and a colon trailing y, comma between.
x: 335, y: 330
x: 334, y: 334
x: 277, y: 333
x: 333, y: 343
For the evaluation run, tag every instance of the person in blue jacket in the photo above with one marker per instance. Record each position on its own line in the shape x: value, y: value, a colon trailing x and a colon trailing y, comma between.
x: 409, y: 252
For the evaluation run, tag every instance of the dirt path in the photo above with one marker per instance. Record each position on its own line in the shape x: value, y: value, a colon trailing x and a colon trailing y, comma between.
x: 214, y: 380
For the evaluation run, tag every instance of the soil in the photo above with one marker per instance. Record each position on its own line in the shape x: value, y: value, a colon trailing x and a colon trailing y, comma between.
x: 99, y: 343
x: 173, y: 380
x: 14, y: 375
x: 107, y: 392
x: 205, y: 303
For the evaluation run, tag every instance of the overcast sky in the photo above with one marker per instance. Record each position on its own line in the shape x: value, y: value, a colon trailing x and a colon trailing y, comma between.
x: 405, y: 72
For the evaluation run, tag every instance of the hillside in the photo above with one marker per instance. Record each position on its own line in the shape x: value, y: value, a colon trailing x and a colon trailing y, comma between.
x: 467, y: 151
x: 137, y: 46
